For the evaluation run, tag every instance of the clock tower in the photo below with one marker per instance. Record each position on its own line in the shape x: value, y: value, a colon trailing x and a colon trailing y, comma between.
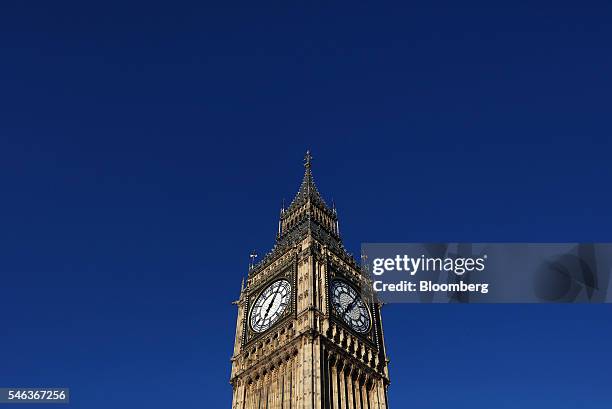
x: 306, y: 336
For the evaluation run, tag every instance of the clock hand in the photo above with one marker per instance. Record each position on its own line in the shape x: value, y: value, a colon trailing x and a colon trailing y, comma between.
x: 271, y: 302
x: 350, y: 306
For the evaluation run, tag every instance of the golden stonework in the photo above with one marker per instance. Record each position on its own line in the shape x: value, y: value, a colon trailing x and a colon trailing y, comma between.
x: 305, y: 336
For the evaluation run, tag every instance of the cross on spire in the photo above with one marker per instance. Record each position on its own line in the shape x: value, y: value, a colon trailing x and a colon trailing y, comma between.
x: 307, y: 159
x: 308, y: 190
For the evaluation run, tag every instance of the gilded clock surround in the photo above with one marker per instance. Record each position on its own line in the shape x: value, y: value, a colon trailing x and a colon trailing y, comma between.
x: 287, y: 273
x: 358, y: 299
x: 266, y: 311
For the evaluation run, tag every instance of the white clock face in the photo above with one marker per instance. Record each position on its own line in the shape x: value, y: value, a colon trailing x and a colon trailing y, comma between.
x: 270, y: 305
x: 349, y: 305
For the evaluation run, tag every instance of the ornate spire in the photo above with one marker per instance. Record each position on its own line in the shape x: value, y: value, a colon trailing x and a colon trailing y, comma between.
x: 308, y: 214
x: 307, y: 159
x: 308, y: 189
x: 307, y: 206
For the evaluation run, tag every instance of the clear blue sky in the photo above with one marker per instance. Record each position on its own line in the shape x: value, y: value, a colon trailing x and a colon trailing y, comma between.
x: 145, y: 149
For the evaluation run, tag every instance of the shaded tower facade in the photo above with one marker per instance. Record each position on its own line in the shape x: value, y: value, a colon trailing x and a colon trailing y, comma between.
x: 305, y: 336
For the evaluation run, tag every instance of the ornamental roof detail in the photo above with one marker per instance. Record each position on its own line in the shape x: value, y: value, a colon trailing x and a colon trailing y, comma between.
x: 308, y: 214
x: 308, y: 191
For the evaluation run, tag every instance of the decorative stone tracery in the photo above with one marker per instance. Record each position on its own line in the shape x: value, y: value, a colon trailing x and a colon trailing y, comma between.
x: 310, y: 358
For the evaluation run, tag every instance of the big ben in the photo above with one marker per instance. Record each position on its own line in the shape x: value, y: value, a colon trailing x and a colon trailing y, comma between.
x: 306, y: 336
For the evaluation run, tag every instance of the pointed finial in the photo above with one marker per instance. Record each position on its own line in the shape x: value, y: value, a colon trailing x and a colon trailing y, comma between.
x: 242, y: 285
x: 252, y: 256
x: 307, y: 159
